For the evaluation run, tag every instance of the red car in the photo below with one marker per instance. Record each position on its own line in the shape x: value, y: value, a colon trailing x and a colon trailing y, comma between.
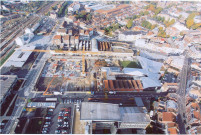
x: 60, y: 117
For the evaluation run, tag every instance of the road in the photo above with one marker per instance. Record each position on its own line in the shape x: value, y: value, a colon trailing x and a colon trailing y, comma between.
x: 181, y: 96
x: 130, y: 95
x: 26, y: 92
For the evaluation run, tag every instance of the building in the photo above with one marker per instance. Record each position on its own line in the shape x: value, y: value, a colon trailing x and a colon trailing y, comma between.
x: 167, y: 117
x: 61, y: 31
x: 114, y: 11
x: 123, y: 85
x: 75, y: 6
x: 6, y: 83
x: 25, y: 39
x: 172, y: 106
x: 53, y: 15
x: 19, y: 57
x: 111, y: 116
x: 170, y: 87
x: 130, y: 35
x: 66, y: 39
x: 56, y: 40
x: 193, y: 114
x: 101, y: 32
x: 41, y: 105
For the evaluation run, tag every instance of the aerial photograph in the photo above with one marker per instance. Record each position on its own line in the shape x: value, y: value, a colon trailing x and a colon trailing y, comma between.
x: 100, y: 67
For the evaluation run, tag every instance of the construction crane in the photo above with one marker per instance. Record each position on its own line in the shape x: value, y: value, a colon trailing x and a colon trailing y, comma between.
x: 83, y: 61
x: 45, y: 93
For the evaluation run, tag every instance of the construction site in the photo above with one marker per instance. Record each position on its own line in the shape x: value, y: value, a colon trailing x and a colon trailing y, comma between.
x: 66, y: 74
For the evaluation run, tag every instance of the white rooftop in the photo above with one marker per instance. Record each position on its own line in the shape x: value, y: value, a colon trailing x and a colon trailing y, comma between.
x: 100, y: 111
x: 19, y: 57
x: 148, y: 82
x: 179, y: 26
x: 133, y: 115
x: 150, y: 65
x: 142, y: 44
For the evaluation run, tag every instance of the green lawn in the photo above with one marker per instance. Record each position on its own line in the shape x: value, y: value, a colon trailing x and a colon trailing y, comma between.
x: 130, y: 64
x: 3, y: 60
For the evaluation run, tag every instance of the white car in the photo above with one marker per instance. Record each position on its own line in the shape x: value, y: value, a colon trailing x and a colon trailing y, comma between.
x: 44, y: 132
x: 51, y: 110
x: 57, y: 131
x: 47, y: 118
x: 59, y: 120
x: 45, y: 125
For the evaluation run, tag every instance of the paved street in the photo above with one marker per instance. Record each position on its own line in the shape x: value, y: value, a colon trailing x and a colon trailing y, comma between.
x: 181, y: 96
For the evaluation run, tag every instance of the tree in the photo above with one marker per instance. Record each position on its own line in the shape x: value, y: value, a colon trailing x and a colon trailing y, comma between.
x: 190, y: 20
x: 66, y: 11
x: 195, y: 26
x: 146, y: 12
x: 29, y: 100
x: 129, y: 24
x: 141, y: 13
x: 89, y: 17
x: 40, y: 122
x: 158, y: 10
x: 180, y: 16
x: 135, y: 16
x: 189, y: 23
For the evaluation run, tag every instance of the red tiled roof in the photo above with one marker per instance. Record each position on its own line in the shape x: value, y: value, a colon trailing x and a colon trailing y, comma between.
x: 66, y: 37
x: 168, y: 117
x: 57, y: 37
x: 172, y: 131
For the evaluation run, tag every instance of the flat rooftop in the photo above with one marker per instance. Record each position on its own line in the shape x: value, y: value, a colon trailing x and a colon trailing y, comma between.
x: 6, y: 81
x: 133, y: 115
x: 100, y: 111
x: 19, y: 57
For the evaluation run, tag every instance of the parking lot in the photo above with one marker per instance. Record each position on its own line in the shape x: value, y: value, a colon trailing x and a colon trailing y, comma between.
x: 59, y: 120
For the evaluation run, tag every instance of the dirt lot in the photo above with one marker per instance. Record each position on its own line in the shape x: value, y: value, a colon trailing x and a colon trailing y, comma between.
x: 44, y: 82
x: 79, y: 126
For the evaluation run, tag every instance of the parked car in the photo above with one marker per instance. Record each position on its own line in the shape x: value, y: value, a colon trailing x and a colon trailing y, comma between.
x: 59, y: 120
x: 51, y: 110
x: 46, y: 126
x: 44, y: 132
x: 47, y: 118
x: 57, y: 131
x: 47, y: 123
x: 45, y: 129
x: 64, y: 131
x: 66, y: 125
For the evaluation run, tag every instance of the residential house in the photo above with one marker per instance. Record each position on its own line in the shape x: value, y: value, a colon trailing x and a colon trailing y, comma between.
x: 130, y: 35
x: 100, y: 32
x: 70, y: 32
x: 53, y: 15
x: 172, y: 106
x: 61, y: 31
x: 166, y: 117
x: 66, y: 39
x: 81, y: 32
x: 57, y: 40
x: 193, y: 114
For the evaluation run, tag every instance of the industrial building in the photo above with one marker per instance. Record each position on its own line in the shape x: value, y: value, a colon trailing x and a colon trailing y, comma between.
x: 104, y: 46
x: 123, y: 85
x: 41, y: 105
x: 19, y: 57
x: 111, y: 116
x: 6, y: 83
x: 25, y: 39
